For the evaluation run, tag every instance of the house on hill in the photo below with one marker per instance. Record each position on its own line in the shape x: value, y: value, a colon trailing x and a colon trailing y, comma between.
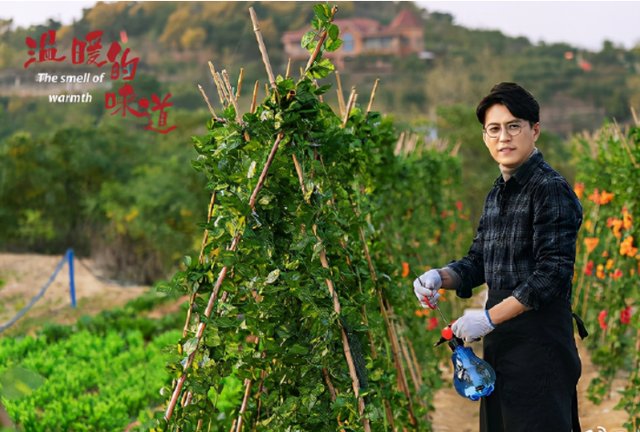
x: 364, y: 36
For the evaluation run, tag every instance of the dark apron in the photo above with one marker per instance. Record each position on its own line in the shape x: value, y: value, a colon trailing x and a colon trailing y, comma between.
x: 537, y: 370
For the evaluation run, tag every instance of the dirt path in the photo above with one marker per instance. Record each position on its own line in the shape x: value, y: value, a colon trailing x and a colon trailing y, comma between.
x: 23, y: 275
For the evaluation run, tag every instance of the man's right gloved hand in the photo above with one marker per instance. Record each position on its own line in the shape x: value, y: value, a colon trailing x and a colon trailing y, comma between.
x: 426, y: 288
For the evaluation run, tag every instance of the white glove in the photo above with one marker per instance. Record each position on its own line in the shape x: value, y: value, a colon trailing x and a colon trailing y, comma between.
x: 426, y: 288
x: 473, y: 325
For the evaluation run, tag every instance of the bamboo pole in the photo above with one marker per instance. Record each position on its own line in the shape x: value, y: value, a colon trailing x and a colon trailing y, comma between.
x: 263, y: 49
x: 327, y: 380
x: 373, y: 95
x: 352, y: 101
x: 206, y: 99
x: 216, y: 289
x: 214, y: 75
x: 355, y: 382
x: 399, y: 144
x: 263, y: 174
x: 254, y: 98
x: 341, y: 105
x: 223, y: 88
x: 288, y: 71
x: 296, y: 164
x: 407, y: 359
x: 243, y: 407
x: 233, y: 99
x: 239, y: 86
x: 414, y: 359
x: 205, y: 238
x: 395, y: 349
x: 391, y: 333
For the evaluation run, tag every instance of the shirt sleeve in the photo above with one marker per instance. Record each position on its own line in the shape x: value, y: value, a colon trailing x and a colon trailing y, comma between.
x: 557, y: 216
x: 469, y: 270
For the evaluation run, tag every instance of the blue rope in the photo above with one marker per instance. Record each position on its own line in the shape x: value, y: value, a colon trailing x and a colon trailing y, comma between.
x: 37, y: 297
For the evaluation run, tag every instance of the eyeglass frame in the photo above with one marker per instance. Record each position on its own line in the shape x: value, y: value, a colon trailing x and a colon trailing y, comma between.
x: 519, y: 122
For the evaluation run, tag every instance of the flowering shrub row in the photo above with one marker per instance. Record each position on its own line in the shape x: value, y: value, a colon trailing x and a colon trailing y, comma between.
x: 608, y: 262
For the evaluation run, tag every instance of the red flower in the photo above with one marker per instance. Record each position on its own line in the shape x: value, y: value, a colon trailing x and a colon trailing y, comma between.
x: 433, y: 323
x: 588, y: 269
x: 459, y: 205
x: 625, y: 315
x: 602, y: 319
x: 617, y: 274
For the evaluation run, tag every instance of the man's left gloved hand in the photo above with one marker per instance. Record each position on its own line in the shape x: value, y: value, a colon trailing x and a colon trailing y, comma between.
x: 473, y: 325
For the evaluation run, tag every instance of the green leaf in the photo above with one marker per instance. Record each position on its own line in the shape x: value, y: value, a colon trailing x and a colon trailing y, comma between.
x: 321, y: 11
x: 333, y: 45
x: 333, y: 31
x: 252, y: 170
x: 190, y: 346
x: 298, y: 349
x: 272, y: 277
x: 307, y: 39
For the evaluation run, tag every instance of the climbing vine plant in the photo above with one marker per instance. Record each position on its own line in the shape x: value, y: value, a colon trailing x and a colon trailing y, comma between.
x: 301, y: 309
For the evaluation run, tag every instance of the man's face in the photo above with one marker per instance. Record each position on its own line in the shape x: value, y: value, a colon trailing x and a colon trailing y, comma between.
x: 510, y: 140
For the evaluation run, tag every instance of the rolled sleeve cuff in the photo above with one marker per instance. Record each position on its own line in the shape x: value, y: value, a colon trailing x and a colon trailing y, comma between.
x: 461, y: 290
x: 527, y: 298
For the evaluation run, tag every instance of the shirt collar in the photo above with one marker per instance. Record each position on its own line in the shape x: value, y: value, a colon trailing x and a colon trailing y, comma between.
x: 525, y: 171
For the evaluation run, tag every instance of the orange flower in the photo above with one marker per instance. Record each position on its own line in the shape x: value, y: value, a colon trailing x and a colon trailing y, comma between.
x: 442, y: 293
x: 579, y: 189
x: 405, y: 269
x: 595, y: 196
x: 606, y: 197
x: 626, y: 247
x: 627, y: 220
x: 609, y: 264
x: 600, y: 271
x: 588, y: 225
x: 616, y: 225
x: 591, y: 243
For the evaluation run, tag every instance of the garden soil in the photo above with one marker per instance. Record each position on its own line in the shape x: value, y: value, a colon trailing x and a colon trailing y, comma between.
x: 23, y: 275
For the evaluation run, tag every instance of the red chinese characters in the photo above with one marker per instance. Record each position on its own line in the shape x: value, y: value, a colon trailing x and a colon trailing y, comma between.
x: 160, y: 106
x: 88, y: 49
x: 84, y: 51
x: 46, y: 49
x: 123, y: 103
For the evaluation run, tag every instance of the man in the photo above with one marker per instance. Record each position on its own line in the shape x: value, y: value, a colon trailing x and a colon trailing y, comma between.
x: 524, y: 250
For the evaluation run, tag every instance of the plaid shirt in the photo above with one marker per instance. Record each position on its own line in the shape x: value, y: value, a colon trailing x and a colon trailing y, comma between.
x: 526, y: 238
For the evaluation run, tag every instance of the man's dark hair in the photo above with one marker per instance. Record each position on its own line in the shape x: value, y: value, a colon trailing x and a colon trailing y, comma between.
x: 518, y: 101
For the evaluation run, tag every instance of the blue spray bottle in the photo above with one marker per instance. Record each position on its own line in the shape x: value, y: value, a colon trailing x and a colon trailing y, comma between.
x: 473, y: 377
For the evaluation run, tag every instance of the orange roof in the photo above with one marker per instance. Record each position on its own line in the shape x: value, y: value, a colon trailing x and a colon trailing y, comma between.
x: 405, y: 19
x: 365, y: 26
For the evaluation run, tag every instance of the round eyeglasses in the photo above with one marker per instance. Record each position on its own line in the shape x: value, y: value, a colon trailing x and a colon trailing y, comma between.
x: 494, y: 130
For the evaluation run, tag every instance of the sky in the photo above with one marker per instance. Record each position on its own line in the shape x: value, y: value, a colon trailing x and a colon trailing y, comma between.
x: 584, y: 24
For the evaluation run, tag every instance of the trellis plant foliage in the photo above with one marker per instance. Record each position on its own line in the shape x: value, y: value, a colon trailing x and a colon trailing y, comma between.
x: 608, y: 262
x: 300, y: 319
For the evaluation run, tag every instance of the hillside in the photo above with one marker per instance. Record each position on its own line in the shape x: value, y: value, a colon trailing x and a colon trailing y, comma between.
x: 175, y: 39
